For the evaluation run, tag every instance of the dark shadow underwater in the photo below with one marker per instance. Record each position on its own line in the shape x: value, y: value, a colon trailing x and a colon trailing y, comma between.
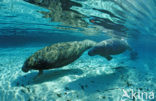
x: 49, y: 75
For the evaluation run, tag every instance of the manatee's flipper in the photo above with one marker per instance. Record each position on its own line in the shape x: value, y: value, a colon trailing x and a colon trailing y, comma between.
x: 38, y: 75
x: 108, y: 57
x: 40, y: 72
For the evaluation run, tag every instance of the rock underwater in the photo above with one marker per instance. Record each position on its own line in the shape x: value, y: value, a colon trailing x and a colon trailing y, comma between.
x: 56, y: 55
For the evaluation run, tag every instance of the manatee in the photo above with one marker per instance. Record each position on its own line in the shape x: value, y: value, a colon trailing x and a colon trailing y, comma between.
x: 109, y: 47
x: 56, y: 55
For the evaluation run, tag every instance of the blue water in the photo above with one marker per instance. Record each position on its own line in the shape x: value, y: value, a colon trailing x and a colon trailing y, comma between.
x: 29, y: 25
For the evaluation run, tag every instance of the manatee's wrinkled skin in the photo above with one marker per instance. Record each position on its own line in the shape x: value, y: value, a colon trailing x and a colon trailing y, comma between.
x: 57, y: 55
x: 109, y: 47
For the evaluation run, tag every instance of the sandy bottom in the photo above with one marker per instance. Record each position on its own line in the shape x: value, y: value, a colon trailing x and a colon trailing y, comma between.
x: 86, y: 79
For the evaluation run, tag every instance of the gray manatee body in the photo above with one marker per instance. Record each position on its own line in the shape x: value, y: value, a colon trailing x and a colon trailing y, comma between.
x: 109, y: 47
x: 56, y: 55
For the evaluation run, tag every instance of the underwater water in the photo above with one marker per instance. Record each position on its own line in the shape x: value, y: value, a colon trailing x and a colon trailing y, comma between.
x: 27, y: 26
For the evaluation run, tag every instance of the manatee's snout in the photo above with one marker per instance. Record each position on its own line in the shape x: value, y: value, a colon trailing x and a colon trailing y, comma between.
x: 91, y: 53
x: 24, y: 69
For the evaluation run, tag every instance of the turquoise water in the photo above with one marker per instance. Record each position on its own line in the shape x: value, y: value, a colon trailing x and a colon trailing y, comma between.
x: 27, y: 26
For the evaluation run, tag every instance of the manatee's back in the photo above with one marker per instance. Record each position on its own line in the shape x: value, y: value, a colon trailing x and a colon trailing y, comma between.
x: 70, y: 51
x: 59, y: 54
x: 109, y: 47
x: 116, y: 46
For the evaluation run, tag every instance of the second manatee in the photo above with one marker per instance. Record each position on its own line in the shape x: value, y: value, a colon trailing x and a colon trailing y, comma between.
x: 109, y: 47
